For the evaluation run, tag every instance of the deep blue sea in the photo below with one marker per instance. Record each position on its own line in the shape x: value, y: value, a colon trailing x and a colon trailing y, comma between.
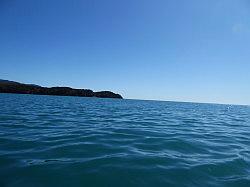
x: 74, y: 141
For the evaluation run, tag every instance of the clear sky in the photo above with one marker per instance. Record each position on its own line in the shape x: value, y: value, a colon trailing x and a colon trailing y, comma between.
x: 195, y: 50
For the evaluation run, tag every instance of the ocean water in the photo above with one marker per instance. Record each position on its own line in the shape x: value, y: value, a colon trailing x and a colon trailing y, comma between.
x: 73, y: 141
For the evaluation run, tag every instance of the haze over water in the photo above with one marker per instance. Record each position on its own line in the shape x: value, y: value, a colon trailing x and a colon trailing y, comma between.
x: 73, y: 141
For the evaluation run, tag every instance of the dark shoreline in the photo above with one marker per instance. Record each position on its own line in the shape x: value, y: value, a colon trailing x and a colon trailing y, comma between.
x: 20, y: 88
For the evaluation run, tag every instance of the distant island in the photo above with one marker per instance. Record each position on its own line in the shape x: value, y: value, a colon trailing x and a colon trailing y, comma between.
x: 7, y: 86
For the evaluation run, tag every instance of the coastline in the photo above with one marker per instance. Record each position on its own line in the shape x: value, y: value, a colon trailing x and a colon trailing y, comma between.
x: 20, y: 88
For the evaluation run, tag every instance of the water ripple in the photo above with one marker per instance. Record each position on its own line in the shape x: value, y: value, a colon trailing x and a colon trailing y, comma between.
x: 70, y: 141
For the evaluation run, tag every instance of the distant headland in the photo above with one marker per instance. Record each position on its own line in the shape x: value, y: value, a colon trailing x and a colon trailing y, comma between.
x: 7, y: 86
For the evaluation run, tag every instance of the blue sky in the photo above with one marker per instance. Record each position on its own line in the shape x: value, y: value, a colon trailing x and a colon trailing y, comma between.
x: 196, y: 50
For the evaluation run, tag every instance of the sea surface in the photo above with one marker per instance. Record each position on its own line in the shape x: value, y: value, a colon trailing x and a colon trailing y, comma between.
x: 74, y: 141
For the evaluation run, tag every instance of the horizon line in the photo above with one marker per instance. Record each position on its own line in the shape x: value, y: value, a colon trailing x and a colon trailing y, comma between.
x: 160, y: 100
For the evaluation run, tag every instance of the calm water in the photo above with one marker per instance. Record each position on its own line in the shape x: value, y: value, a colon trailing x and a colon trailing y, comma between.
x: 71, y: 141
